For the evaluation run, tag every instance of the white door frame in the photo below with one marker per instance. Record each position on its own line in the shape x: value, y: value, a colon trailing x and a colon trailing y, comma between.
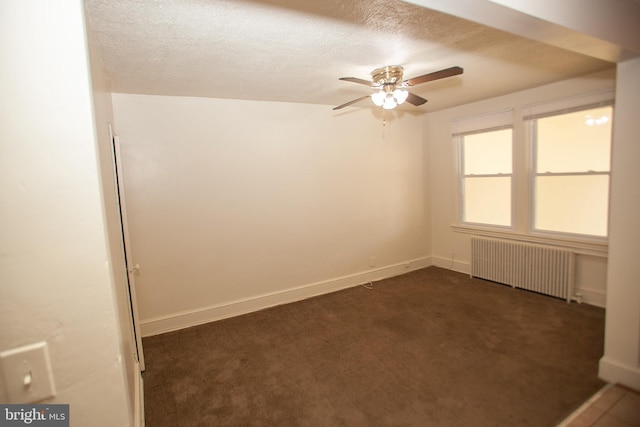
x: 132, y: 269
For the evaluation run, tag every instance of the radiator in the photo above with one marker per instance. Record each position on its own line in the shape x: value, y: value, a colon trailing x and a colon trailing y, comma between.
x: 543, y: 269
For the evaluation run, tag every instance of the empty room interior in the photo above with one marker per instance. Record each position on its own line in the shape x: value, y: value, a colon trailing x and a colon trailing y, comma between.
x: 281, y: 212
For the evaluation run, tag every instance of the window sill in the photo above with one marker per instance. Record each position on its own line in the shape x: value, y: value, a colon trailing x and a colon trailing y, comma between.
x: 579, y: 246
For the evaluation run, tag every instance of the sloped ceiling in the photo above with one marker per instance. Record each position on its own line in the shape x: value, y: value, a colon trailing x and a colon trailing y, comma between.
x: 295, y: 50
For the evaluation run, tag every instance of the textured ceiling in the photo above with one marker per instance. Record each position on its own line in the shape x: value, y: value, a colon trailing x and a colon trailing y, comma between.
x: 295, y: 50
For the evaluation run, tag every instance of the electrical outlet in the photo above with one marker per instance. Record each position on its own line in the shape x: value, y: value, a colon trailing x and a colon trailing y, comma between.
x: 372, y: 261
x: 27, y: 373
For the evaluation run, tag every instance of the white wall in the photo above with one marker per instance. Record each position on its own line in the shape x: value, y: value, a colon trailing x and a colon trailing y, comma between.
x: 56, y: 281
x: 103, y: 115
x: 621, y: 360
x: 236, y: 205
x: 451, y: 249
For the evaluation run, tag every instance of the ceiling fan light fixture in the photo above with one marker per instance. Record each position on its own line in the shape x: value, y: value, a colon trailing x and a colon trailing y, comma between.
x: 391, y: 88
x: 389, y: 102
x: 378, y: 98
x: 400, y: 95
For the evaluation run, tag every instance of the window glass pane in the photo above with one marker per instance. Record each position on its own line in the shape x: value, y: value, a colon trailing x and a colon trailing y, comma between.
x: 572, y: 204
x: 487, y: 152
x: 575, y: 142
x: 487, y: 200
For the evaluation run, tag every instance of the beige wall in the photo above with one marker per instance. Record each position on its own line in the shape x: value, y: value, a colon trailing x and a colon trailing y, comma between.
x: 451, y: 249
x: 621, y: 361
x: 233, y: 203
x: 55, y: 274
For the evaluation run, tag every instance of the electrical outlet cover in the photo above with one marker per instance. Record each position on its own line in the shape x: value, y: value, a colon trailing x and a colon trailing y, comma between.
x: 27, y: 374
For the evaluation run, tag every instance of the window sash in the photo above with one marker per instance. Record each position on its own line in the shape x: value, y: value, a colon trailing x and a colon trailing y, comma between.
x: 487, y: 214
x: 532, y: 122
x: 463, y: 177
x: 582, y: 199
x: 546, y: 158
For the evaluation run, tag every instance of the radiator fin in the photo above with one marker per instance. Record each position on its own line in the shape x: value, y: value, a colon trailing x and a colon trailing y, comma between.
x: 536, y: 268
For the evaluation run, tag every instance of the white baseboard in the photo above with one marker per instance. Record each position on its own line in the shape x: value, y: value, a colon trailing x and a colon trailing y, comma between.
x: 619, y: 373
x: 593, y: 297
x: 185, y: 319
x: 452, y: 264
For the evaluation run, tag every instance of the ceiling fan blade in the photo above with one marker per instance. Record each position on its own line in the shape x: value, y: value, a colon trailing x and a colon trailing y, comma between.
x: 415, y: 99
x: 351, y: 102
x: 436, y: 75
x: 360, y: 81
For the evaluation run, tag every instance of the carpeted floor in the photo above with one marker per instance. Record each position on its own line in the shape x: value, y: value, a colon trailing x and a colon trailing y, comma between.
x: 429, y: 348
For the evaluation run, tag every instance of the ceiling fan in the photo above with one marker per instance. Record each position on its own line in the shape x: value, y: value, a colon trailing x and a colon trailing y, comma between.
x: 391, y: 90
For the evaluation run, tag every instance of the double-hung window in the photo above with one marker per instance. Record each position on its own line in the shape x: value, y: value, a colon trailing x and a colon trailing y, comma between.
x: 486, y: 172
x: 570, y: 171
x: 566, y: 153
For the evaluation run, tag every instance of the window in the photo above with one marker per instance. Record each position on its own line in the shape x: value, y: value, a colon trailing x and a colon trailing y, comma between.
x: 570, y: 173
x: 486, y: 176
x: 541, y: 177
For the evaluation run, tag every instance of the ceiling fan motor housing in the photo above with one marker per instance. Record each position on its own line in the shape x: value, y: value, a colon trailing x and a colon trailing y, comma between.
x: 391, y: 75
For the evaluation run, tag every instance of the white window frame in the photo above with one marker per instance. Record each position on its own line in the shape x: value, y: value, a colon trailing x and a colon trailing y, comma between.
x: 522, y: 154
x: 459, y: 138
x: 501, y: 119
x: 531, y: 125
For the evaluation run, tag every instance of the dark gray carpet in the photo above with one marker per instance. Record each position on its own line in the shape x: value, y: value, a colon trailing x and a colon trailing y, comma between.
x: 429, y: 348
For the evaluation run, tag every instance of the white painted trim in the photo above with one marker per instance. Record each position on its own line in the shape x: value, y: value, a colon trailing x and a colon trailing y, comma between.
x: 584, y: 406
x: 618, y: 373
x: 139, y: 393
x: 188, y: 318
x: 478, y: 123
x: 126, y: 240
x: 569, y: 104
x: 592, y: 296
x: 594, y: 247
x: 452, y: 264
